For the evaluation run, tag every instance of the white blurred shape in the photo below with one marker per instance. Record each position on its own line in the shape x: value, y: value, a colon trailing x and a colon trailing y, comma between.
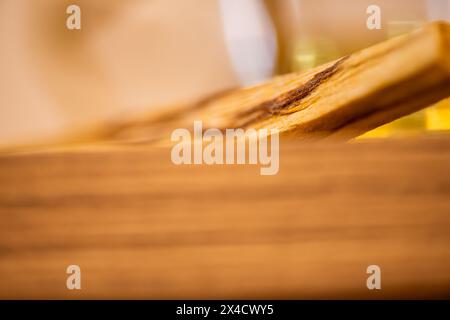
x: 438, y: 9
x: 250, y: 39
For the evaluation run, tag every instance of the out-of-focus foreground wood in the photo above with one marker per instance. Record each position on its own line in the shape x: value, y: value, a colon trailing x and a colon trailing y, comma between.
x: 141, y: 227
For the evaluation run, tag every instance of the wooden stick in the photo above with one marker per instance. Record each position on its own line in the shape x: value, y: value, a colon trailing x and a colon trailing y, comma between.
x: 340, y: 99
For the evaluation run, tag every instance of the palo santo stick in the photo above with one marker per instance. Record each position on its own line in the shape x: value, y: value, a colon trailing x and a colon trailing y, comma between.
x: 349, y: 96
x: 341, y: 99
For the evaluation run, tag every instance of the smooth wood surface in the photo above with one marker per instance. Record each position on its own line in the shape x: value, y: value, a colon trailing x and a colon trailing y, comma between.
x: 141, y: 227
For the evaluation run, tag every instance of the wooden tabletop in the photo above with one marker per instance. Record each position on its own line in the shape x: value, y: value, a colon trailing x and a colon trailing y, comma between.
x: 141, y: 227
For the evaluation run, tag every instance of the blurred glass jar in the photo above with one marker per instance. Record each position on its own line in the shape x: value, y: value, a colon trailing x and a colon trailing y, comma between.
x: 313, y: 32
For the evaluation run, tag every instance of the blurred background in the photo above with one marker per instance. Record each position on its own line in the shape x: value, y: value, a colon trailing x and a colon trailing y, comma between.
x: 133, y: 56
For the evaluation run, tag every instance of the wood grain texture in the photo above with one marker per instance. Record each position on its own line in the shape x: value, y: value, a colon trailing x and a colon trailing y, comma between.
x: 341, y: 99
x: 141, y: 227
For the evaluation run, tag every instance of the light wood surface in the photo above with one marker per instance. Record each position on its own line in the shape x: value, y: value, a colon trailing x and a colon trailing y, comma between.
x: 141, y: 227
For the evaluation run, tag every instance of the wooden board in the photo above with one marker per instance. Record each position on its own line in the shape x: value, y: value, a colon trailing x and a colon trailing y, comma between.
x: 141, y: 227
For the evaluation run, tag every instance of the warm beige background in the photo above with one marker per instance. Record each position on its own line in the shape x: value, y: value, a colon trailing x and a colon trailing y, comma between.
x: 129, y: 56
